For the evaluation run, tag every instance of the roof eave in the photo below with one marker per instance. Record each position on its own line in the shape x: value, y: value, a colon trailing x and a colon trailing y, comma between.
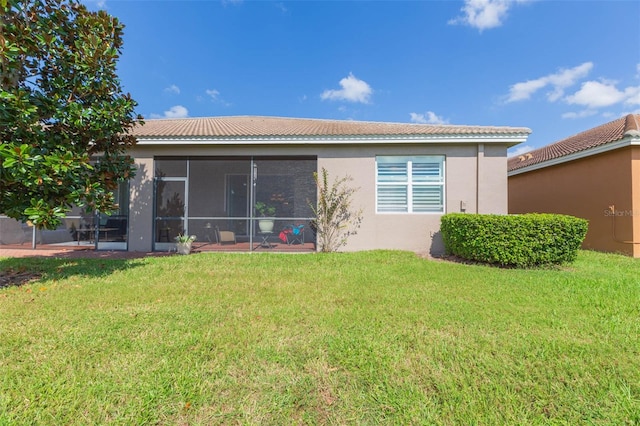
x: 630, y: 139
x: 508, y: 139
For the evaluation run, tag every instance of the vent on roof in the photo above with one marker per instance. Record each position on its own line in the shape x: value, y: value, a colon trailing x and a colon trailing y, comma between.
x: 526, y: 156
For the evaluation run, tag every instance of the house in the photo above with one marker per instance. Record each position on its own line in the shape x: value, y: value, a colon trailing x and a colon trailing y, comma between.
x: 206, y: 176
x: 199, y: 173
x: 594, y: 175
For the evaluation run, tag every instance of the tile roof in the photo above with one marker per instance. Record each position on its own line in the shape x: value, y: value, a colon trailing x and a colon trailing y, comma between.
x: 256, y: 127
x: 597, y: 136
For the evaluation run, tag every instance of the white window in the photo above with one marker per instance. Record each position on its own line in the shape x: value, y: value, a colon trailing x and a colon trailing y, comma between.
x: 410, y: 184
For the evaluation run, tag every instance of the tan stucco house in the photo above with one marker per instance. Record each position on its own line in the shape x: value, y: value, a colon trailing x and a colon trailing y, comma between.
x: 594, y: 175
x: 206, y: 175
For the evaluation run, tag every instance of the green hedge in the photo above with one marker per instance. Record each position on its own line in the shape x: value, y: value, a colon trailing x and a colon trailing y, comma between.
x: 514, y: 240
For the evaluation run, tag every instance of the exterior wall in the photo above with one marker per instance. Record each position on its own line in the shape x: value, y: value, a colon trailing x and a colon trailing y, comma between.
x: 584, y: 188
x: 141, y: 205
x: 635, y: 198
x: 466, y: 172
x: 417, y: 232
x: 492, y: 191
x: 12, y: 231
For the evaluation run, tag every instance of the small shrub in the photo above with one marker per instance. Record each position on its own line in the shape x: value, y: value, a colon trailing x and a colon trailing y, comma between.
x: 336, y: 217
x: 514, y: 240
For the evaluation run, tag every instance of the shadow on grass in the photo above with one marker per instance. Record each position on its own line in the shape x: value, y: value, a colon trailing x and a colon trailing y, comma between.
x: 21, y: 271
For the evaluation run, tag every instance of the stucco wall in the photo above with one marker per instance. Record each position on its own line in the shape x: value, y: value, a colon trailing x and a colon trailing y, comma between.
x: 419, y: 232
x: 492, y: 194
x: 635, y: 198
x: 583, y: 188
x: 416, y: 232
x: 141, y: 205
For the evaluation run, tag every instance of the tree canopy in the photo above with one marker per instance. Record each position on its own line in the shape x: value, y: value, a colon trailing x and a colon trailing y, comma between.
x: 64, y: 120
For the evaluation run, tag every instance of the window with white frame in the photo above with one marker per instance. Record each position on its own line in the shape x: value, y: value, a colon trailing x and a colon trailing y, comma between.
x: 410, y: 184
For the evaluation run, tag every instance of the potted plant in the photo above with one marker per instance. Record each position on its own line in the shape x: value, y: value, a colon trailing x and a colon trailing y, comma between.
x: 265, y: 210
x: 183, y: 243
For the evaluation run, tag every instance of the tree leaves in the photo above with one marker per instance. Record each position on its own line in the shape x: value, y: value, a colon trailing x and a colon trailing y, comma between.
x: 64, y: 119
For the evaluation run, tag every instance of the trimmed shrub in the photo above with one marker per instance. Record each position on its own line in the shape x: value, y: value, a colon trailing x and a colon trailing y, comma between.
x: 514, y: 240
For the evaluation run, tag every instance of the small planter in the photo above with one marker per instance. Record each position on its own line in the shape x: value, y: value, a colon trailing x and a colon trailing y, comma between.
x: 266, y: 225
x: 183, y: 248
x: 183, y: 243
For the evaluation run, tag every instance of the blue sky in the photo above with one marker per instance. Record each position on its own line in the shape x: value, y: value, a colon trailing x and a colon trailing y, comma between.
x: 557, y: 67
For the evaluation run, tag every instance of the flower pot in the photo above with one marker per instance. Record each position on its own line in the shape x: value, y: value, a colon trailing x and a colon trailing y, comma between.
x: 266, y: 225
x: 183, y: 248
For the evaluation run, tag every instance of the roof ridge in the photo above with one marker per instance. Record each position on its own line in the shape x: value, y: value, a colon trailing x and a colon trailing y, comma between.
x: 631, y: 125
x: 331, y: 120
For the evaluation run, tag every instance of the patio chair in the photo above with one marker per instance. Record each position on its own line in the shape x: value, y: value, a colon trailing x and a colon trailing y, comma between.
x: 225, y: 236
x: 293, y: 234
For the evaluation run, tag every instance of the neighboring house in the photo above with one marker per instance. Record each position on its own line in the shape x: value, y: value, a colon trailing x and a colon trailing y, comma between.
x: 206, y: 175
x: 594, y: 175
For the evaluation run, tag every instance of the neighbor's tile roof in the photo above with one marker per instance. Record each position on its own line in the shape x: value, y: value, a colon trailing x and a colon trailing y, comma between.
x: 255, y: 126
x: 601, y: 135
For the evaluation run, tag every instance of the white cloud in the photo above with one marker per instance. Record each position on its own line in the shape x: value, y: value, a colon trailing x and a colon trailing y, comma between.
x: 558, y: 81
x: 213, y: 93
x: 524, y: 90
x: 579, y: 114
x: 484, y: 14
x: 519, y: 150
x: 353, y: 90
x: 215, y: 97
x: 599, y: 94
x: 596, y: 94
x: 591, y: 96
x: 633, y: 95
x: 176, y: 111
x: 428, y: 118
x: 172, y: 89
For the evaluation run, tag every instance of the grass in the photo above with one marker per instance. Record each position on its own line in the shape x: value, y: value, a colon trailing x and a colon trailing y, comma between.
x: 377, y: 337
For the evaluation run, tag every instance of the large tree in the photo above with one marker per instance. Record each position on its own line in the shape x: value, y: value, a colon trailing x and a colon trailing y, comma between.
x: 64, y: 120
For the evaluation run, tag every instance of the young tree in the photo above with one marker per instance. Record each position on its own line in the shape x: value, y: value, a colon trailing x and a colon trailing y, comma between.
x: 64, y: 121
x: 336, y: 219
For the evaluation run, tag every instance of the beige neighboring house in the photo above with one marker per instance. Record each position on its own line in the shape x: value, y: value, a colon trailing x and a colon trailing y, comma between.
x: 206, y: 176
x: 594, y: 175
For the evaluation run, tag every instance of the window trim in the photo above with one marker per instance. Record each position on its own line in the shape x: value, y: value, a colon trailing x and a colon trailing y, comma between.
x: 410, y: 181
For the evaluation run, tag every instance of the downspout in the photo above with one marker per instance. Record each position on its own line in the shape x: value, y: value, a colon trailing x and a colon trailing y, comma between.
x: 478, y: 164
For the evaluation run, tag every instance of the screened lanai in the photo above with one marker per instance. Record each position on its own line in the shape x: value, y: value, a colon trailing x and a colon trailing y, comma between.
x: 235, y: 203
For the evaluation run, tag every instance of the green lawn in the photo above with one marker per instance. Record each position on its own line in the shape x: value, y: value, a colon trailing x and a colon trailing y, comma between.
x: 347, y: 338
